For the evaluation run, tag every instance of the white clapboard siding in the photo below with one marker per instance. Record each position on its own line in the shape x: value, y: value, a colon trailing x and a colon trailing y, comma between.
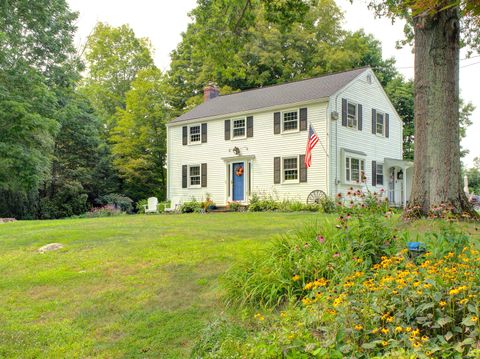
x: 264, y: 145
x: 377, y: 148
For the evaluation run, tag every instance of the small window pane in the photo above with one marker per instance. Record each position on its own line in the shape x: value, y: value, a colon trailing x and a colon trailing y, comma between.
x: 195, y: 176
x: 355, y: 169
x: 290, y: 169
x: 379, y: 174
x: 195, y: 134
x: 380, y: 124
x: 352, y: 115
x: 290, y: 121
x: 239, y: 128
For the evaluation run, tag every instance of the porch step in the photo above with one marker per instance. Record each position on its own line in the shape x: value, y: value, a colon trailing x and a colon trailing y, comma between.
x: 223, y: 209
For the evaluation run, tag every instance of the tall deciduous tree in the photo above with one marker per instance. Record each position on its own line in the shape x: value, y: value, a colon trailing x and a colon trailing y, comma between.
x: 36, y: 65
x: 437, y: 28
x: 113, y: 56
x: 243, y: 44
x: 140, y: 136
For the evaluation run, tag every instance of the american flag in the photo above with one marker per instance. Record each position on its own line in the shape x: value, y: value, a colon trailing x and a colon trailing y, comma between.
x: 312, y: 141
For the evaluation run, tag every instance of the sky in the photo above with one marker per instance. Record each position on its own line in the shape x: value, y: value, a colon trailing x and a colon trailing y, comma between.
x: 163, y: 22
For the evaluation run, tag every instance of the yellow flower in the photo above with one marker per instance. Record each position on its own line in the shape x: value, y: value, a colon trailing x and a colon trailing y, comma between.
x: 358, y: 327
x: 390, y: 319
x: 399, y: 329
x: 408, y: 329
x: 308, y: 286
x: 416, y: 344
x: 463, y: 301
x: 296, y: 277
x: 283, y: 314
x: 259, y: 317
x: 375, y: 330
x: 415, y: 332
x: 424, y: 338
x: 454, y: 292
x: 474, y: 319
x: 442, y: 303
x: 385, y: 331
x: 384, y: 343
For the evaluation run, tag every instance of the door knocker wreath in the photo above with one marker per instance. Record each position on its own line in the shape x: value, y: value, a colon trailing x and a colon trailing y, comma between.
x: 239, y: 171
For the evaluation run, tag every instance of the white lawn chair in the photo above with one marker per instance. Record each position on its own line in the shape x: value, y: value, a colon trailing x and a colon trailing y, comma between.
x: 151, y: 206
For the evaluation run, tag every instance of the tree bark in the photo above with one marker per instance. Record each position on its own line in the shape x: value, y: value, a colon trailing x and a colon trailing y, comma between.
x: 437, y: 171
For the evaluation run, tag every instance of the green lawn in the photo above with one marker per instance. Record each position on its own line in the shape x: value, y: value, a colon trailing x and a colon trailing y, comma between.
x: 132, y: 286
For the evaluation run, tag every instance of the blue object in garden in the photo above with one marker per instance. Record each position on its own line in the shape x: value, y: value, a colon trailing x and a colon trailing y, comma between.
x: 416, y: 246
x: 416, y: 249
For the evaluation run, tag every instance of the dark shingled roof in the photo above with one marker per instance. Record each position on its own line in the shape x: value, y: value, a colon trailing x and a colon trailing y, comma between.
x: 276, y: 95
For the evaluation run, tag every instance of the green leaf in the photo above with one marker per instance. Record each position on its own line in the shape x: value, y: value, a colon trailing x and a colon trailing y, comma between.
x: 444, y: 320
x: 468, y: 322
x: 448, y: 336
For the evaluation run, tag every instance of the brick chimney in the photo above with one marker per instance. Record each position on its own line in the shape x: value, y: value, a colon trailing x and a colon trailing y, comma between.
x: 210, y: 91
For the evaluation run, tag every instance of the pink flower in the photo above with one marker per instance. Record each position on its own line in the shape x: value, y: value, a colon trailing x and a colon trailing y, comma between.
x: 320, y: 238
x: 336, y: 255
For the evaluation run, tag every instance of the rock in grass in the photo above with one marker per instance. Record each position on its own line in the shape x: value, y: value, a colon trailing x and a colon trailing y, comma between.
x: 50, y: 247
x: 6, y: 220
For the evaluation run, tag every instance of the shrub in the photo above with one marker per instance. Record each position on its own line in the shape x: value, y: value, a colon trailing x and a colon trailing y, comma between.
x: 191, y: 206
x: 119, y: 201
x: 328, y: 205
x: 104, y: 211
x: 269, y: 204
x: 234, y: 206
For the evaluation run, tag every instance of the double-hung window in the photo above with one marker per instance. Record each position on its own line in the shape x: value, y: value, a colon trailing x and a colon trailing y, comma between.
x: 239, y: 128
x: 380, y: 124
x: 290, y: 121
x: 290, y: 169
x: 352, y: 115
x: 379, y: 174
x: 194, y: 176
x: 354, y: 170
x: 194, y: 134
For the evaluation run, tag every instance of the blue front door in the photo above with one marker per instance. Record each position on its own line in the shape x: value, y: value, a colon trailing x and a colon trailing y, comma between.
x: 238, y: 175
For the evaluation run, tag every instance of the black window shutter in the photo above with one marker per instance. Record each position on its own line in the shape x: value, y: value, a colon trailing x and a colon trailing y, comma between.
x: 303, y: 119
x: 204, y: 132
x: 184, y: 135
x: 374, y: 121
x: 360, y: 116
x: 250, y: 126
x: 227, y: 130
x: 374, y: 173
x: 204, y: 175
x: 344, y: 112
x: 184, y: 176
x: 276, y: 170
x: 303, y: 168
x: 276, y: 123
x: 387, y: 125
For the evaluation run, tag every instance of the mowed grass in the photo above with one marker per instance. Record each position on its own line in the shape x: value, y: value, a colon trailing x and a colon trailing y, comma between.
x: 123, y: 287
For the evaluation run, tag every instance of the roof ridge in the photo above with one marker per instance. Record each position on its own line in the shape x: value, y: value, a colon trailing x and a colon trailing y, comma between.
x: 294, y: 81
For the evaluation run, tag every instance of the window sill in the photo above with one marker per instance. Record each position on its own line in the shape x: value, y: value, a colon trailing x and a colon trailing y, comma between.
x: 238, y: 138
x: 357, y: 184
x: 289, y: 131
x: 291, y: 182
x: 193, y: 187
x: 195, y: 143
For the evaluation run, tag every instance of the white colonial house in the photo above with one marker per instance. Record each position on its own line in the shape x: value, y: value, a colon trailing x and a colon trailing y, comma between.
x: 254, y: 141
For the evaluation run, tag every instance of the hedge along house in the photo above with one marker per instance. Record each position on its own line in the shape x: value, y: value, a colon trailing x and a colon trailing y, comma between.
x: 254, y: 141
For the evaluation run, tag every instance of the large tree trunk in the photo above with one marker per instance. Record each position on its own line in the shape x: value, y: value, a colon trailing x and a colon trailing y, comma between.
x: 437, y: 176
